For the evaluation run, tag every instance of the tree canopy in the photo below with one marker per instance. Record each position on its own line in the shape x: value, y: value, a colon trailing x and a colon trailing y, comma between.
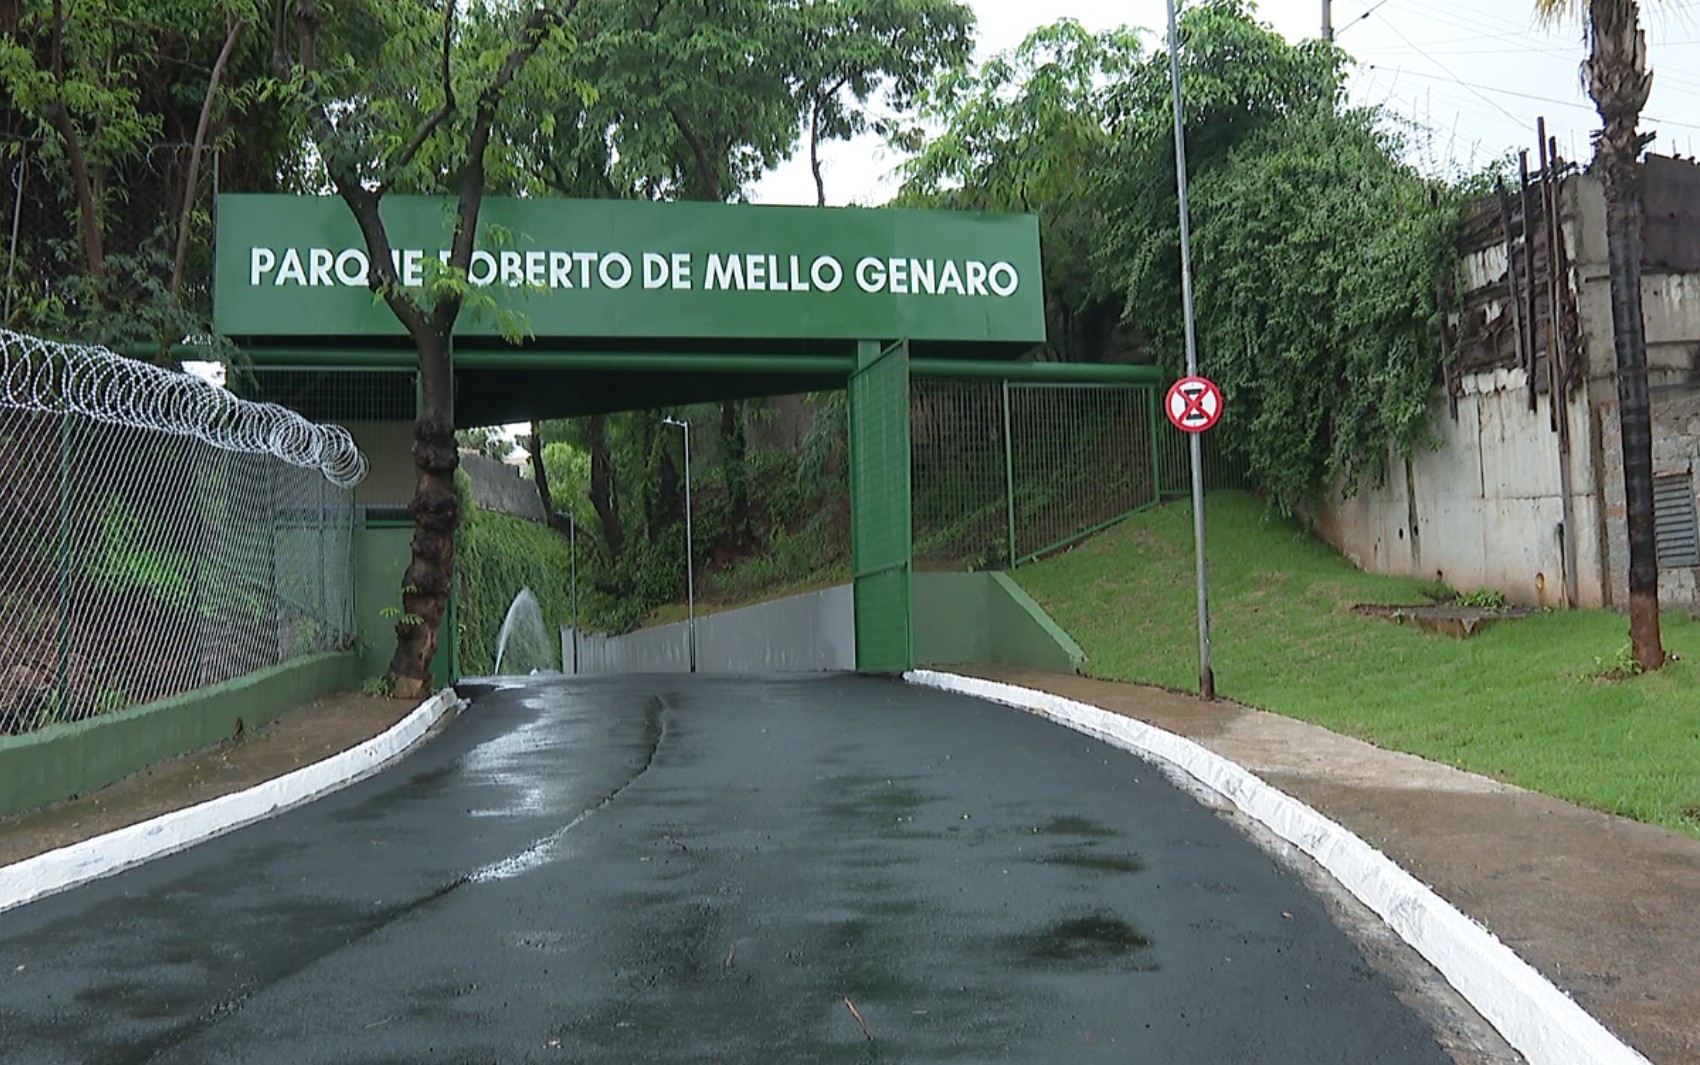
x: 1320, y: 253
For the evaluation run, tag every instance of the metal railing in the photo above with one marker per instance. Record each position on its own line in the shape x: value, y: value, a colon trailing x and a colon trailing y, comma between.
x: 158, y: 534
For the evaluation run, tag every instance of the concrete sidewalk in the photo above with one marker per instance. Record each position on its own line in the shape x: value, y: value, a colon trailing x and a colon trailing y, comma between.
x: 1606, y: 908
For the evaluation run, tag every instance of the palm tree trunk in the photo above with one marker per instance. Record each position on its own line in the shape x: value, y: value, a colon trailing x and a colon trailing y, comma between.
x: 1623, y: 244
x: 1618, y: 82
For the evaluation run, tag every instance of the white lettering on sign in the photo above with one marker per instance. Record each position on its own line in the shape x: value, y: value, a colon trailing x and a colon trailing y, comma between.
x: 351, y: 267
x: 261, y: 261
x: 823, y: 266
x: 725, y: 273
x: 654, y: 270
x: 870, y: 274
x: 558, y: 269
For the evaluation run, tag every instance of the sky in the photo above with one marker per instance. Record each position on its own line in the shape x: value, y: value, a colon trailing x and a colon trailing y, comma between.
x: 1475, y: 73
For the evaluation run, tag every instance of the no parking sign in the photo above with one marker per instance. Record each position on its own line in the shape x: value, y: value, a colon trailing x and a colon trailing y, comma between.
x: 1194, y: 404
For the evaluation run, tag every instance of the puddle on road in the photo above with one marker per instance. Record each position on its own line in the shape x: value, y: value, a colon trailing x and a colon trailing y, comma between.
x: 1075, y: 826
x: 1101, y: 863
x: 1093, y: 939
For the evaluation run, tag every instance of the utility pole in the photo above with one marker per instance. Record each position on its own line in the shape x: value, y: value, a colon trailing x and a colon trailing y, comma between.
x: 1328, y: 20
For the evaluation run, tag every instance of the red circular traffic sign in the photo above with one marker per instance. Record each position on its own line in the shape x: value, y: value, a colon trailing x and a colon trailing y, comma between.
x: 1194, y: 404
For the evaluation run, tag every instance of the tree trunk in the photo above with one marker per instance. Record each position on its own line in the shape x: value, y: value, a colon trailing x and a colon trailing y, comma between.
x: 1623, y: 243
x: 1618, y: 82
x: 194, y: 178
x: 814, y: 155
x: 82, y: 181
x: 602, y: 488
x: 436, y: 514
x: 540, y: 475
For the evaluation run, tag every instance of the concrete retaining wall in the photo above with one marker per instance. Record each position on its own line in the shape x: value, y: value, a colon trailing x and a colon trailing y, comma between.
x: 63, y: 761
x: 1485, y: 509
x: 960, y: 618
x: 799, y: 634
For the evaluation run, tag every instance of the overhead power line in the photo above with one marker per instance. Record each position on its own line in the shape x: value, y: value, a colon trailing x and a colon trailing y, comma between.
x: 1403, y: 72
x: 1379, y: 4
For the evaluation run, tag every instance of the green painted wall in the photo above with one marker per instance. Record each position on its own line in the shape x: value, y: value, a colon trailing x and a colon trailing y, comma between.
x: 382, y: 551
x: 63, y: 761
x: 381, y: 554
x: 969, y: 618
x: 1023, y: 634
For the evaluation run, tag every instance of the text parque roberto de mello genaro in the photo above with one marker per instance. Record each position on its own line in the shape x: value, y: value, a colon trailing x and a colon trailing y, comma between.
x: 556, y: 270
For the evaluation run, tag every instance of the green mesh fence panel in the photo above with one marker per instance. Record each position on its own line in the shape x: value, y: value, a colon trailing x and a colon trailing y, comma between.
x: 1081, y: 457
x: 880, y: 508
x: 1004, y: 472
x: 1222, y: 467
x: 960, y: 473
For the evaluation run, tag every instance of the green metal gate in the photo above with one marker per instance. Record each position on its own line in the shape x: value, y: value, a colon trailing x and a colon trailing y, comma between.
x: 882, y: 555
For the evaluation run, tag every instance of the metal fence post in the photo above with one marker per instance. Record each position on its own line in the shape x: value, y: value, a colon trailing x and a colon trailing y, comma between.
x: 1152, y: 416
x: 323, y: 575
x: 271, y: 562
x: 1009, y: 471
x: 64, y: 686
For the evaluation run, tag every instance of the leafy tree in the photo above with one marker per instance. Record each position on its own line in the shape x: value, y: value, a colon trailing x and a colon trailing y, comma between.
x: 1319, y: 256
x: 391, y: 126
x: 1319, y: 253
x: 1238, y: 76
x: 1029, y: 131
x: 110, y: 91
x: 851, y: 51
x: 693, y: 93
x: 1619, y: 82
x: 488, y: 441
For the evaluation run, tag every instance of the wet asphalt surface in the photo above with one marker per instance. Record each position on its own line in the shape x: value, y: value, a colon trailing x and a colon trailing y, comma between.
x: 704, y: 870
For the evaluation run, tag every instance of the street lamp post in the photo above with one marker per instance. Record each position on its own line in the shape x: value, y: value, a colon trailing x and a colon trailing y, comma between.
x: 572, y: 524
x: 690, y: 552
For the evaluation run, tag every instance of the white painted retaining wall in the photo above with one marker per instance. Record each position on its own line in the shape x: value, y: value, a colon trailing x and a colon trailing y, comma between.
x: 812, y: 632
x: 1487, y: 509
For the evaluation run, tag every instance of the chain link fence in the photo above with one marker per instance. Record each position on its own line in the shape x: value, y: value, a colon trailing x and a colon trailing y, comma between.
x: 158, y: 534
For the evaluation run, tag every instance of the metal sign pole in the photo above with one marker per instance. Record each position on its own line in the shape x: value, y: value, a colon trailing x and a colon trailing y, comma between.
x: 572, y: 524
x: 1206, y: 678
x: 690, y: 560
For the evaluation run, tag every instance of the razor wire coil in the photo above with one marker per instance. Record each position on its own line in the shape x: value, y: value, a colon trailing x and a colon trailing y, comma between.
x: 52, y: 377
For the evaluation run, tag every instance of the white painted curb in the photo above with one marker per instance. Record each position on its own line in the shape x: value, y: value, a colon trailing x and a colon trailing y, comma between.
x: 1535, y: 1017
x: 113, y: 852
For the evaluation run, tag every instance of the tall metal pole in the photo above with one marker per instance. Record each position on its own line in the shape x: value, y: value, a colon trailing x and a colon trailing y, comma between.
x: 690, y: 551
x: 1328, y: 20
x: 572, y: 541
x: 1206, y: 677
x: 690, y: 557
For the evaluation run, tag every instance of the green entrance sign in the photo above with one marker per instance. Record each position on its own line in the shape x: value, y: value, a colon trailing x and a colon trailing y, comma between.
x: 296, y: 266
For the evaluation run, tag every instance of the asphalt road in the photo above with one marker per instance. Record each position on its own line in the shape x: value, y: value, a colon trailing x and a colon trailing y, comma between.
x: 704, y: 870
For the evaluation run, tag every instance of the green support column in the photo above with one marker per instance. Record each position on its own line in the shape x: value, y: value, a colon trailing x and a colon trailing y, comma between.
x: 880, y: 516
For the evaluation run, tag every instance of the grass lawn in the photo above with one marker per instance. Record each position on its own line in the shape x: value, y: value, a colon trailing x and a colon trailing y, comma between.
x: 1522, y: 701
